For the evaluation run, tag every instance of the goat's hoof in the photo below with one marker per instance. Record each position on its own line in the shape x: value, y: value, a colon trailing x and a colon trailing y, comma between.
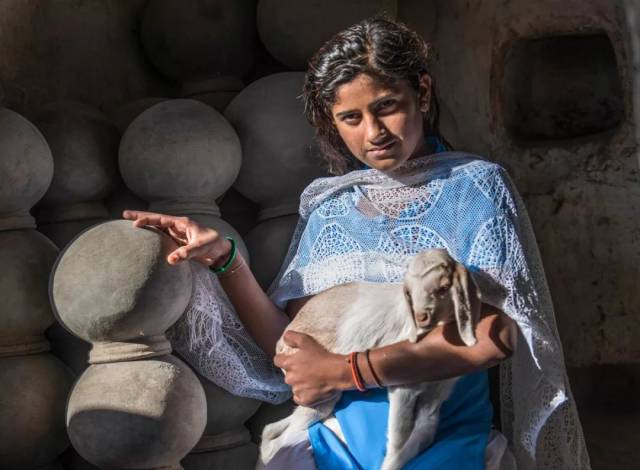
x: 390, y: 464
x: 268, y: 449
x: 271, y: 431
x: 260, y: 465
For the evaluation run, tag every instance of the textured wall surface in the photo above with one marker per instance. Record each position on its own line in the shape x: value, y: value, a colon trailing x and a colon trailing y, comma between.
x: 579, y: 176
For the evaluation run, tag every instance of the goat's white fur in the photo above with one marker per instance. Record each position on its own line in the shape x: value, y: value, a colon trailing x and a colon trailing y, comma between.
x: 363, y: 315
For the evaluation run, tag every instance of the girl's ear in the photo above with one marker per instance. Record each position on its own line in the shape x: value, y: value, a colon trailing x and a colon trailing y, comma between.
x: 424, y: 92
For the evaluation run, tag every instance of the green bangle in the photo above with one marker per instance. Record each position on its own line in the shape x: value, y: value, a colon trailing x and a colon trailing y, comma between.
x: 229, y: 262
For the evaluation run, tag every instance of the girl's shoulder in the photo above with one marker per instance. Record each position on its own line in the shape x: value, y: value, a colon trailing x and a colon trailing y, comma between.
x: 477, y: 179
x: 466, y: 165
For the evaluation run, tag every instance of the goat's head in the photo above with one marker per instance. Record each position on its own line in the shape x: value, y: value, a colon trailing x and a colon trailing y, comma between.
x: 439, y: 290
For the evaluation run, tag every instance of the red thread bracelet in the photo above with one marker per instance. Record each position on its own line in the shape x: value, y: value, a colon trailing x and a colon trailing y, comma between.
x: 355, y: 372
x: 373, y: 372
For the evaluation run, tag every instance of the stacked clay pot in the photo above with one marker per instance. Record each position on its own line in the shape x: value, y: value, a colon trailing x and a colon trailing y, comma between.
x: 292, y: 31
x: 35, y: 383
x: 122, y: 197
x: 226, y: 442
x: 136, y: 406
x: 238, y: 211
x: 207, y: 46
x: 123, y: 115
x: 180, y: 156
x: 279, y: 159
x: 84, y: 146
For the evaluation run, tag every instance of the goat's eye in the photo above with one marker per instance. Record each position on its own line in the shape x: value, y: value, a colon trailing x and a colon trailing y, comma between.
x: 442, y: 290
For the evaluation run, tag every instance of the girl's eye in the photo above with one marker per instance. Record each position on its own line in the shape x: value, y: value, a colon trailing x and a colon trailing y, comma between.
x: 386, y: 104
x: 350, y: 118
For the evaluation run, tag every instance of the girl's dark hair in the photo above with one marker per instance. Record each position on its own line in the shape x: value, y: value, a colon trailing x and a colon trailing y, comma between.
x: 386, y: 50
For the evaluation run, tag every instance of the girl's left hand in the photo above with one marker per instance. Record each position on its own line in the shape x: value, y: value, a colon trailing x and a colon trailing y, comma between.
x: 315, y: 374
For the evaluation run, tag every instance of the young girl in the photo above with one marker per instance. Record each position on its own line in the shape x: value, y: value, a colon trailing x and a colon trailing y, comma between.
x: 398, y: 191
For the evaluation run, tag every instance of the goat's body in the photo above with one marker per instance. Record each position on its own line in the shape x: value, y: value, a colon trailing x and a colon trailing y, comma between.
x: 355, y: 317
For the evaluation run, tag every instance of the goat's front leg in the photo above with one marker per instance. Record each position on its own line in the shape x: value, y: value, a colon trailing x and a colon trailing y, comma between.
x: 423, y: 416
x: 292, y: 429
x: 402, y: 404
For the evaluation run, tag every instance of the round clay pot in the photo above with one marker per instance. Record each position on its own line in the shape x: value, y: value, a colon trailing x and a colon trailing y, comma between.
x: 26, y: 169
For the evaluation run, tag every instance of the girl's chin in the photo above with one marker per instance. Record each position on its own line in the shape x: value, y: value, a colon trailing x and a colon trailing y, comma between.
x: 385, y: 164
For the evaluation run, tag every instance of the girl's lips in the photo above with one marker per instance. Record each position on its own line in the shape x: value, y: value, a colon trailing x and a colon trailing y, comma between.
x: 381, y: 150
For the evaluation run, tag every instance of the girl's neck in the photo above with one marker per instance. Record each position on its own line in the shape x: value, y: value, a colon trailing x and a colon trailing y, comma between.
x: 426, y: 146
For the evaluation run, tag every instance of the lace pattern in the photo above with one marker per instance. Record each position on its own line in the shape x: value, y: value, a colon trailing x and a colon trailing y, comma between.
x: 213, y: 340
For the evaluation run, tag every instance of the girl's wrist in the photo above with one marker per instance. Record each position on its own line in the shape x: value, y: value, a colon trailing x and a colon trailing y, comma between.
x: 343, y: 379
x: 234, y: 268
x: 222, y: 259
x: 360, y: 366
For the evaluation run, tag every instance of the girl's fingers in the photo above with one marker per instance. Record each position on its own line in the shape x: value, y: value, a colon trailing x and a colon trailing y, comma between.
x: 129, y: 214
x: 182, y: 231
x: 177, y: 256
x: 190, y: 251
x: 142, y: 221
x: 193, y: 252
x: 295, y: 339
x: 281, y: 361
x: 206, y: 244
x: 141, y: 218
x: 178, y: 235
x: 180, y: 254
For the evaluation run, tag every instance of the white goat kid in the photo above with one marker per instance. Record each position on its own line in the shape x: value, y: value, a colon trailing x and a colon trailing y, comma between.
x: 362, y: 315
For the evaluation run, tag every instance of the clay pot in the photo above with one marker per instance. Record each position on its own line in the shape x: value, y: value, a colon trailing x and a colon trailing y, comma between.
x: 279, y: 157
x: 293, y: 31
x: 136, y: 406
x: 26, y: 169
x: 84, y: 147
x: 180, y: 155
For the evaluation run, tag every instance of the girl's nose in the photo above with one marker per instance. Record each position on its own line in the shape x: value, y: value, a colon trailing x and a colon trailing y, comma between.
x: 375, y: 131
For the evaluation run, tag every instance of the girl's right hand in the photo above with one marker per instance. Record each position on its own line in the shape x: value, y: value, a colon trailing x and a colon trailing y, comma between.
x: 196, y: 242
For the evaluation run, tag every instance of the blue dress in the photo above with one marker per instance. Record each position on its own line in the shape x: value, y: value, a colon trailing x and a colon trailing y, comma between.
x: 460, y: 441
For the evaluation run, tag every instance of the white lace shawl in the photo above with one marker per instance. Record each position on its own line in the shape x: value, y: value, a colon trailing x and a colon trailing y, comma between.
x: 364, y: 226
x: 213, y: 340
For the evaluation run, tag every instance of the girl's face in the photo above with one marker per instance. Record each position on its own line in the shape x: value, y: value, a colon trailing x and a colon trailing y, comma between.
x: 382, y: 125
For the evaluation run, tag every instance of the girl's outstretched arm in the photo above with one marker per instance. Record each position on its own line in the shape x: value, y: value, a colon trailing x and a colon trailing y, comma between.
x: 264, y: 321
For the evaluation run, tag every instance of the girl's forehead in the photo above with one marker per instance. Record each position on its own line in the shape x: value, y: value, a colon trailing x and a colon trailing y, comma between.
x: 364, y: 88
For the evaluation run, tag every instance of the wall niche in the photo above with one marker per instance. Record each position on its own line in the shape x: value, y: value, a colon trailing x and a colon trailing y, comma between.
x: 561, y: 88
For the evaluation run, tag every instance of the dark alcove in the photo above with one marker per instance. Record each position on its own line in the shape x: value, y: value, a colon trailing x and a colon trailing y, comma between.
x: 561, y: 87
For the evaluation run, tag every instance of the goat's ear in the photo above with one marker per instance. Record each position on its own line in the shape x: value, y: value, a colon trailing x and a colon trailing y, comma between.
x: 466, y: 303
x: 407, y: 297
x: 413, y: 336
